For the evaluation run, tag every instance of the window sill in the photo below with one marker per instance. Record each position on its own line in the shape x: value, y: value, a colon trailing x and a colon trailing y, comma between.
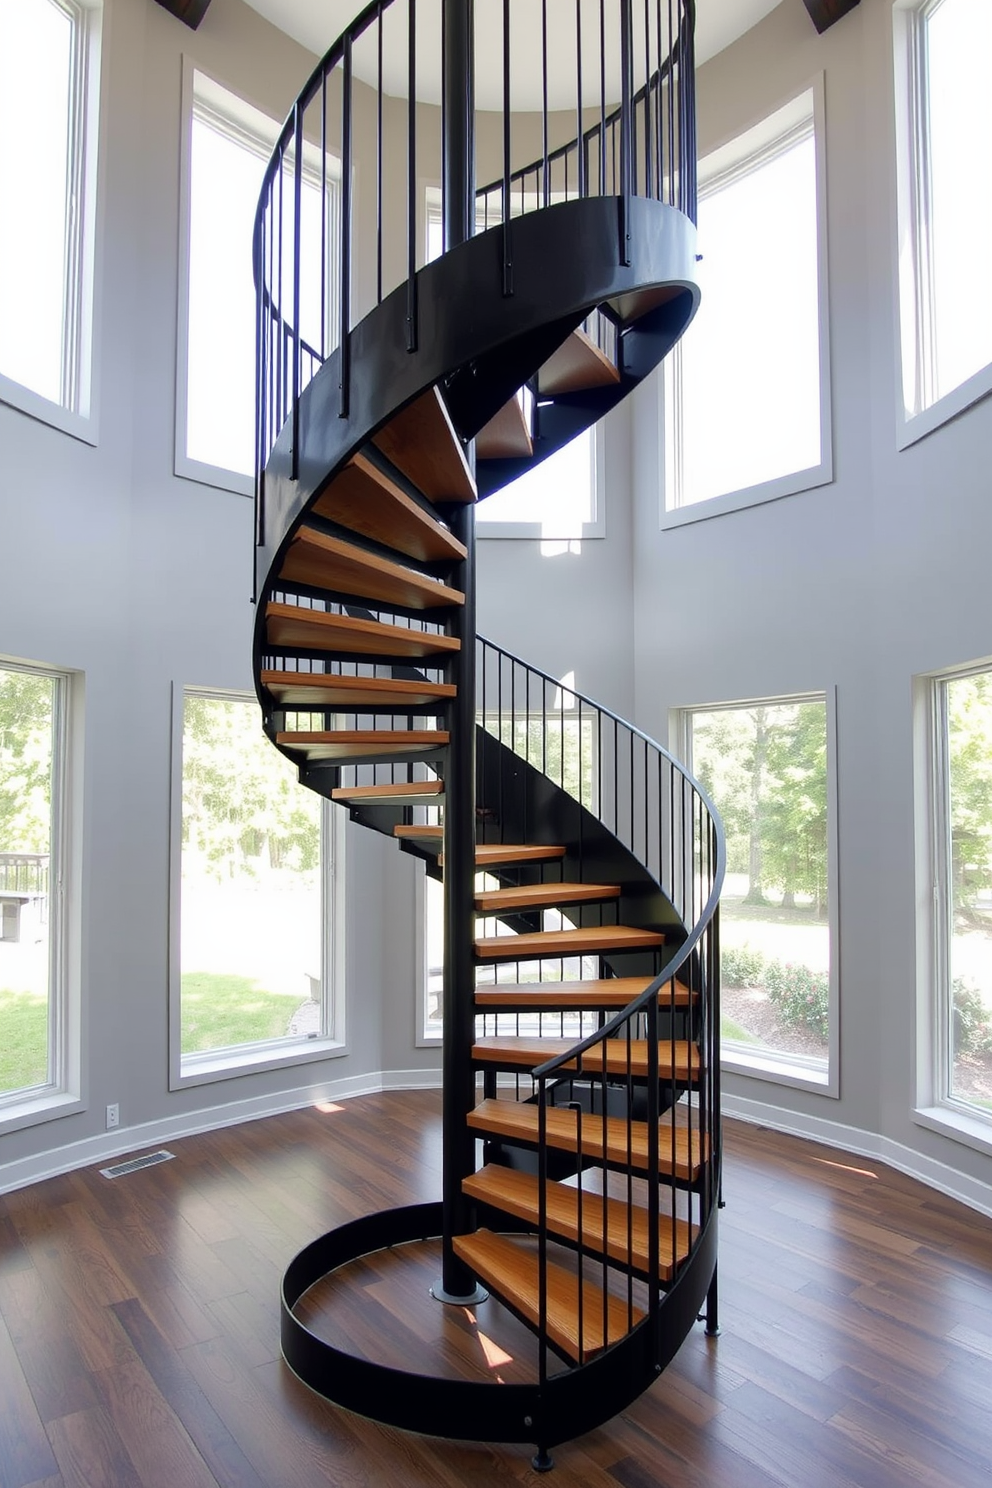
x: 732, y: 501
x: 214, y: 475
x: 960, y: 1125
x: 33, y: 1110
x: 914, y: 427
x: 76, y: 425
x: 778, y: 1069
x: 229, y: 1064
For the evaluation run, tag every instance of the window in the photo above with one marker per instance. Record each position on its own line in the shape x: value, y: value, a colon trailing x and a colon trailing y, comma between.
x: 33, y: 1033
x: 768, y: 767
x: 433, y: 969
x: 944, y: 131
x: 962, y: 892
x: 230, y: 144
x: 48, y: 101
x: 259, y: 946
x: 746, y: 415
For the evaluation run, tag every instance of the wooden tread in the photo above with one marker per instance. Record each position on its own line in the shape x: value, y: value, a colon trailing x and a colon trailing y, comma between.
x: 421, y: 441
x: 510, y: 1269
x: 581, y: 941
x: 424, y: 832
x: 576, y: 366
x: 678, y: 1058
x: 627, y: 1230
x: 501, y: 854
x: 354, y: 746
x: 383, y: 694
x: 604, y: 994
x: 543, y: 896
x: 506, y: 436
x: 638, y: 302
x: 325, y: 562
x: 364, y: 499
x: 413, y: 793
x: 289, y: 626
x: 681, y: 1153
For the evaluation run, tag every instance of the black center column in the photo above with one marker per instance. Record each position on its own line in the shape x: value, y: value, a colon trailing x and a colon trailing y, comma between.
x: 457, y: 1284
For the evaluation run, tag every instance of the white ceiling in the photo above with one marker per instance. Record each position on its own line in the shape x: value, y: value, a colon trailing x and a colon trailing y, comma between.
x: 317, y: 23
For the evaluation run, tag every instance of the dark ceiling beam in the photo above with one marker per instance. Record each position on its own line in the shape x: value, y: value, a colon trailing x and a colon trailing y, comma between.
x: 825, y: 12
x: 189, y: 11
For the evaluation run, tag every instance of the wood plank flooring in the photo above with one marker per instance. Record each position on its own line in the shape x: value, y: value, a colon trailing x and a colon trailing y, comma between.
x: 139, y: 1326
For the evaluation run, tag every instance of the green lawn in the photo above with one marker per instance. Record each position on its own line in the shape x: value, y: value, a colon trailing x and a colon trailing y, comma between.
x: 220, y: 1010
x: 24, y: 1040
x: 731, y: 1030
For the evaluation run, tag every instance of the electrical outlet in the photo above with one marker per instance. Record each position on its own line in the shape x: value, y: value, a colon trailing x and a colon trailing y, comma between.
x: 113, y: 1116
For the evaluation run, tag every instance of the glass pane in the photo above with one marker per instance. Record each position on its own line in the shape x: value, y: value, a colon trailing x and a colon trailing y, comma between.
x: 35, y: 63
x: 969, y: 713
x: 766, y: 769
x: 558, y: 493
x: 434, y: 912
x: 251, y: 884
x: 959, y: 43
x: 27, y: 755
x: 750, y: 361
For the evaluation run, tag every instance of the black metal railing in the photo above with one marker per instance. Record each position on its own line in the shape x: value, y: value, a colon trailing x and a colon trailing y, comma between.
x: 343, y: 218
x: 644, y: 1085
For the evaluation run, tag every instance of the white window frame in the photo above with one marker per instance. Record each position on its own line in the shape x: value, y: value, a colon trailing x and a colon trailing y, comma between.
x: 742, y: 154
x: 780, y: 1067
x: 918, y: 411
x: 242, y: 1059
x: 62, y: 1093
x: 935, y: 1107
x: 255, y: 130
x: 76, y: 414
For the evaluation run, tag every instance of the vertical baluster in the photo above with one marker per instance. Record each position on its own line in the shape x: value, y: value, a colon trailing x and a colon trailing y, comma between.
x: 258, y: 256
x: 323, y: 218
x: 344, y: 346
x: 658, y: 111
x: 378, y: 163
x: 578, y: 99
x: 507, y: 249
x: 544, y: 99
x: 647, y: 99
x: 671, y: 108
x: 281, y: 386
x: 411, y: 181
x: 297, y: 337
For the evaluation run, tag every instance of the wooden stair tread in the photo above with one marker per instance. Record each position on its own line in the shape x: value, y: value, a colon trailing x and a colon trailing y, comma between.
x: 324, y: 562
x: 638, y: 302
x: 289, y: 625
x: 412, y: 793
x: 364, y: 499
x: 542, y: 896
x: 351, y: 745
x: 581, y: 941
x: 607, y: 992
x: 680, y: 1152
x: 421, y: 441
x: 627, y: 1229
x: 425, y: 832
x: 576, y: 366
x: 387, y: 694
x: 677, y: 1058
x: 506, y: 436
x: 497, y: 854
x: 511, y: 1271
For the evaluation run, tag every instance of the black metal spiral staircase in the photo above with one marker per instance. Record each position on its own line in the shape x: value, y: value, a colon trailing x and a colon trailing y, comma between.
x: 581, y: 864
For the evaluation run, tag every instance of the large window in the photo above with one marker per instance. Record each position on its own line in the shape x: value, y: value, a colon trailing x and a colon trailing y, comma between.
x: 746, y: 389
x: 962, y: 878
x: 944, y: 119
x: 230, y: 144
x: 33, y: 1037
x: 767, y: 766
x: 48, y: 87
x: 259, y: 938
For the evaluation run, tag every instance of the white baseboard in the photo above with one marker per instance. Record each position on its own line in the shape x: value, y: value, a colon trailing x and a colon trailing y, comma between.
x: 109, y: 1145
x: 937, y: 1175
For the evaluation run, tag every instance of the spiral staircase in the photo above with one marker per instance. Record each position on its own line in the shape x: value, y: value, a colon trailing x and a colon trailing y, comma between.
x: 581, y: 865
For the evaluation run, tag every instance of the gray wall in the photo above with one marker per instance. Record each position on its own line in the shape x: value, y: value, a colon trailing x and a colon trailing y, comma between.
x: 859, y: 585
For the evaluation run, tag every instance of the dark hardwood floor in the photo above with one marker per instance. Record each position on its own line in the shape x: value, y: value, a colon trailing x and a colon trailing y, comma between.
x: 139, y: 1326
